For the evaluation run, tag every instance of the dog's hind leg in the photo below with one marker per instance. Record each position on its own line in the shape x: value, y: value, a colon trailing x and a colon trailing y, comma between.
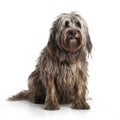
x: 35, y: 93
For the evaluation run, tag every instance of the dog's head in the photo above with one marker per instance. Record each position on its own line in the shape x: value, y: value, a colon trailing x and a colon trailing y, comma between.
x: 69, y: 33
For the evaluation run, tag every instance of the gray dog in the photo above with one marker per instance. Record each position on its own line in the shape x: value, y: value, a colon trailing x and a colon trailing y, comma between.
x: 61, y: 73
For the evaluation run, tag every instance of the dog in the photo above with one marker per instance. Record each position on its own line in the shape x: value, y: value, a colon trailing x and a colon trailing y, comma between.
x: 61, y: 73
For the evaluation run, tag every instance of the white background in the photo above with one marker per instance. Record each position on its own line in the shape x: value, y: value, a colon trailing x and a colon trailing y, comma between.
x: 24, y: 31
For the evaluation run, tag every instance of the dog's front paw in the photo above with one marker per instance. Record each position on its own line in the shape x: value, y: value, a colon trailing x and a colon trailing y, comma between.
x: 52, y: 106
x: 80, y: 105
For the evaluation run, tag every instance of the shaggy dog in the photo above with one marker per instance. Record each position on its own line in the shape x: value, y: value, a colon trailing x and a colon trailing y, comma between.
x: 61, y: 74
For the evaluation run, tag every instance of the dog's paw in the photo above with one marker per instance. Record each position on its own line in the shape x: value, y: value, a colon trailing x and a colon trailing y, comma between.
x: 52, y: 106
x: 80, y: 105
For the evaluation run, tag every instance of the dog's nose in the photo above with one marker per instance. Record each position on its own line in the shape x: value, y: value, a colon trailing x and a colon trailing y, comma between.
x: 72, y: 32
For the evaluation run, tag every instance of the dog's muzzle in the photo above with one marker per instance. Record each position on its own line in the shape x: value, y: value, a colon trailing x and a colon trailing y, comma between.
x: 72, y: 40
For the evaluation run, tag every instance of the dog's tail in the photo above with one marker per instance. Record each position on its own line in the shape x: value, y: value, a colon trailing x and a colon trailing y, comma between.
x: 23, y: 95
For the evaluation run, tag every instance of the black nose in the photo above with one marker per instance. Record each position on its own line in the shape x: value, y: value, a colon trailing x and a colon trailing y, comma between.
x: 72, y: 32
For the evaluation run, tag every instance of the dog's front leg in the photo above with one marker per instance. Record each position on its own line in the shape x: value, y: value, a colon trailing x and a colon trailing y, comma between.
x: 79, y: 101
x: 51, y: 101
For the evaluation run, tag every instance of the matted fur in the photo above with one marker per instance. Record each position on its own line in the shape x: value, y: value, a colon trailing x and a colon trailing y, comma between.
x: 61, y: 73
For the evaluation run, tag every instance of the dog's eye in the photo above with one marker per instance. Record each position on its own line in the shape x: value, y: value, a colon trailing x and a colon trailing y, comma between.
x: 78, y: 24
x: 67, y: 24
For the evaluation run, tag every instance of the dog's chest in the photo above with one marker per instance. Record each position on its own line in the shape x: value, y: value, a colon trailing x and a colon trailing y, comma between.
x: 68, y: 75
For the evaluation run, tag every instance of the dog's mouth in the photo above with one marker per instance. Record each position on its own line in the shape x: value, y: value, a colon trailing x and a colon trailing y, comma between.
x: 72, y: 43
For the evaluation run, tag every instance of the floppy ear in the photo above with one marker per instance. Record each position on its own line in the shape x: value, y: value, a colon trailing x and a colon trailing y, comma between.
x: 52, y: 43
x: 88, y: 44
x: 51, y: 46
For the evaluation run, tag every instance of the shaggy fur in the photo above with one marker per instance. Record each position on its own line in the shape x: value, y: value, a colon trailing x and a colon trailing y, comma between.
x: 61, y: 74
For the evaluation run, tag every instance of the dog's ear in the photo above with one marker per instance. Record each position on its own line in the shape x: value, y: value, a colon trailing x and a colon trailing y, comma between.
x: 51, y: 46
x: 88, y: 44
x: 51, y: 43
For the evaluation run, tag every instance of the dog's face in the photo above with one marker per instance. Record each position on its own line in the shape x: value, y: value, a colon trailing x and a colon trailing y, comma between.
x: 70, y: 33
